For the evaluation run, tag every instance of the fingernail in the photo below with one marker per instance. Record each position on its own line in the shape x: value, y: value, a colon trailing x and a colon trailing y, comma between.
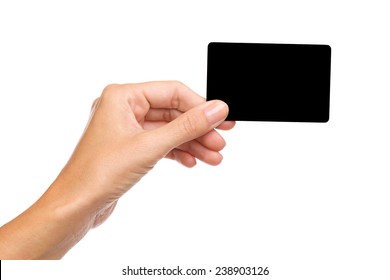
x: 216, y: 111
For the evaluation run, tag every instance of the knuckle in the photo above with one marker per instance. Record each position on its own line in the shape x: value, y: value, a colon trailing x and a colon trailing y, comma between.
x: 175, y: 101
x: 109, y: 91
x: 190, y: 125
x: 110, y: 88
x: 114, y: 91
x: 178, y: 87
x: 167, y: 115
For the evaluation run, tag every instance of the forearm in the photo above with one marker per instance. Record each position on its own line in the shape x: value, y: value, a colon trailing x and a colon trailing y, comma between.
x: 48, y: 229
x: 132, y: 127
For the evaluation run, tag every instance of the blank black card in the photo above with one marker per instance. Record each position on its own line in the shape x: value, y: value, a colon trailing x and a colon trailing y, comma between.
x: 270, y: 82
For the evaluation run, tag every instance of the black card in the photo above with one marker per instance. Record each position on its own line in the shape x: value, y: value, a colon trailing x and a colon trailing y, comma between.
x: 270, y: 82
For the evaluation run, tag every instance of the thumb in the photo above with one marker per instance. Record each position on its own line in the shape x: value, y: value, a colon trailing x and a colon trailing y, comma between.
x: 191, y: 125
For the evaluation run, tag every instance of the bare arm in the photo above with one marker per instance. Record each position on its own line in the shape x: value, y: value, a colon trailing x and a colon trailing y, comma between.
x: 132, y: 127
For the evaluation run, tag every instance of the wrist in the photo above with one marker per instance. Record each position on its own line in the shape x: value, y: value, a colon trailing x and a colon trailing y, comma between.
x: 46, y: 230
x: 61, y: 221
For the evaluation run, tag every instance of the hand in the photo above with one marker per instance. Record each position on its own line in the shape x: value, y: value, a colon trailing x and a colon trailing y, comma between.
x: 132, y: 127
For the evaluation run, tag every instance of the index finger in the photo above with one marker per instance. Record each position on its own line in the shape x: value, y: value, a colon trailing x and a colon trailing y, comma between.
x: 168, y: 95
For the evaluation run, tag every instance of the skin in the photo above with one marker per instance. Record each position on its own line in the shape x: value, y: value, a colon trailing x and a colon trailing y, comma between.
x: 131, y: 127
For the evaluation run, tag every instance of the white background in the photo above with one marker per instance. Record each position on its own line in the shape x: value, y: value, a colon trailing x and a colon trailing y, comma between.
x: 310, y: 201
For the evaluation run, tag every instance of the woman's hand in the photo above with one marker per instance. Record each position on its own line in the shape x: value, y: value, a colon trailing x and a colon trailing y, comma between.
x: 132, y: 127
